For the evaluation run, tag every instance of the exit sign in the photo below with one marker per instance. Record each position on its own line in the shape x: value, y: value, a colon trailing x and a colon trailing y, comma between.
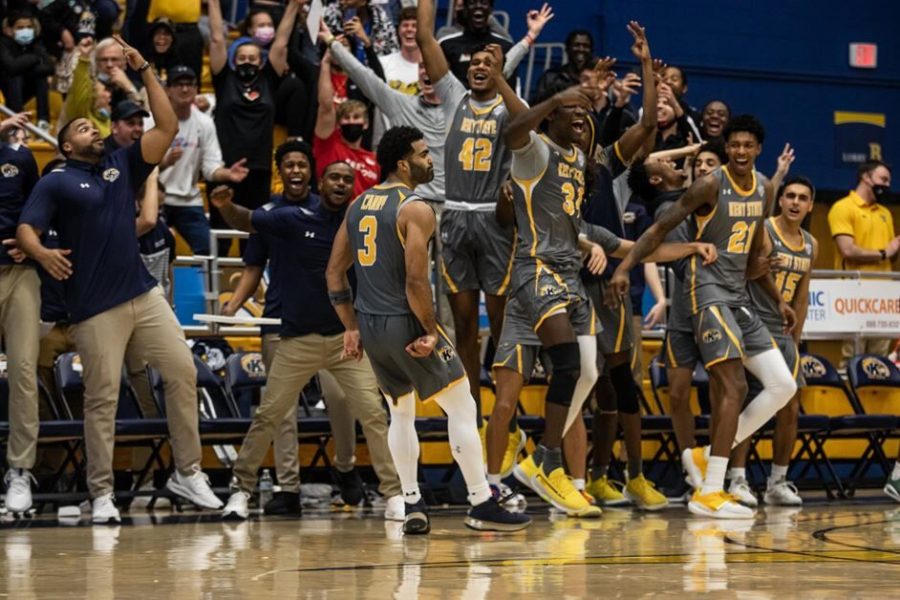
x: 863, y: 56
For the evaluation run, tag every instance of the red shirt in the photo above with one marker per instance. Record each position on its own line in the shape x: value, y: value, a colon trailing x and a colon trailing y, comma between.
x: 327, y: 151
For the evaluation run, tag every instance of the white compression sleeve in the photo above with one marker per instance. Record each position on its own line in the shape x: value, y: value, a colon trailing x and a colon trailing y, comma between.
x: 587, y: 346
x: 778, y: 389
x: 465, y: 443
x: 404, y: 444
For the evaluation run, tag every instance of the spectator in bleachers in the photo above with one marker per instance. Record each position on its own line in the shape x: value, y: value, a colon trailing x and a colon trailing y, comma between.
x: 25, y: 66
x: 88, y: 98
x: 156, y: 242
x: 401, y: 68
x: 580, y: 54
x: 127, y: 126
x: 259, y: 26
x: 714, y: 118
x: 110, y: 69
x: 476, y: 33
x: 246, y: 81
x: 67, y: 54
x: 195, y: 152
x: 106, y: 13
x: 339, y: 131
x: 162, y: 51
x: 184, y: 16
x: 19, y: 318
x: 459, y: 20
x: 673, y: 129
x: 355, y: 16
x: 864, y: 236
x: 677, y: 81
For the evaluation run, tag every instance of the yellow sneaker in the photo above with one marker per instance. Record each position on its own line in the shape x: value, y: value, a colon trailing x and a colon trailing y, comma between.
x: 558, y: 490
x: 644, y: 494
x: 605, y: 492
x: 525, y: 472
x: 694, y: 461
x: 514, y: 445
x: 719, y: 505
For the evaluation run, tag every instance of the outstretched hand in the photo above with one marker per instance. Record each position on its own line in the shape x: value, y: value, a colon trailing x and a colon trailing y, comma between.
x: 641, y: 47
x: 132, y: 56
x: 785, y: 160
x: 536, y: 19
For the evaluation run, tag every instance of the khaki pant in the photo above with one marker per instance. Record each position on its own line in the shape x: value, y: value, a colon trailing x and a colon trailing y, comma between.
x: 147, y: 326
x: 59, y: 340
x: 879, y: 346
x: 296, y: 361
x: 20, y: 316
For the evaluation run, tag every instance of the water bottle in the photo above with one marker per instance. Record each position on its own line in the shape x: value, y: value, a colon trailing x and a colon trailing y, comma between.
x: 266, y: 486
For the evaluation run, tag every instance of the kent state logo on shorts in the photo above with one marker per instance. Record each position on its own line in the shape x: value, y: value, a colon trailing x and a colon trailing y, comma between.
x: 9, y: 170
x: 874, y: 368
x: 253, y: 365
x: 711, y: 335
x: 812, y: 367
x: 110, y: 175
x: 446, y: 353
x: 550, y: 290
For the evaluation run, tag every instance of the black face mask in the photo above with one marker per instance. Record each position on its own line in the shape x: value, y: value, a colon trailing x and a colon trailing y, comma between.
x: 246, y: 72
x: 352, y: 131
x: 880, y: 191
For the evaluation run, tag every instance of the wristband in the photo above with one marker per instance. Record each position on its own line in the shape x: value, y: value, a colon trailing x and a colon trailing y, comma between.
x: 344, y: 296
x: 530, y: 39
x: 883, y: 254
x: 143, y: 67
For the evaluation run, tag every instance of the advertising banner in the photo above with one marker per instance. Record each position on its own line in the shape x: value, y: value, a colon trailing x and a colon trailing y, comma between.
x: 848, y: 306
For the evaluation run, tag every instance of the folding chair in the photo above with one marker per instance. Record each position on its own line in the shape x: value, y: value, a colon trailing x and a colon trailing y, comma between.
x: 245, y: 376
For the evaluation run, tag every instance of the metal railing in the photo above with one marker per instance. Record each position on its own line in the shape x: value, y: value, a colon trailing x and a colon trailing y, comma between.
x: 33, y: 130
x: 548, y: 48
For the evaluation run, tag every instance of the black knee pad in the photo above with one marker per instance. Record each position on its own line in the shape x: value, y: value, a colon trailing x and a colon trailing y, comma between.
x: 626, y: 392
x: 566, y: 360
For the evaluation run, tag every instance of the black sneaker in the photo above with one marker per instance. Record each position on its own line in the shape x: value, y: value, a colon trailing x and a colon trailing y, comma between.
x: 490, y: 516
x: 284, y: 503
x: 416, y: 521
x: 351, y: 486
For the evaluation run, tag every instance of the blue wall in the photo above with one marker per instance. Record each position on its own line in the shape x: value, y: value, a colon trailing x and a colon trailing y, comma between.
x: 785, y: 61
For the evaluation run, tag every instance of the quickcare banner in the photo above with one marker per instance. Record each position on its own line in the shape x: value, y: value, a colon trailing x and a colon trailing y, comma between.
x: 849, y: 306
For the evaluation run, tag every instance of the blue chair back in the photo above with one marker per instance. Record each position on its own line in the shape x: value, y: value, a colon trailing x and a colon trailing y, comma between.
x: 871, y: 370
x: 818, y: 371
x: 67, y: 370
x: 245, y: 376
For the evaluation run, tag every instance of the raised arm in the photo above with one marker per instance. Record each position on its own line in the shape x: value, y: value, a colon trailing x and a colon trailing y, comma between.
x: 326, y: 116
x: 785, y: 160
x: 535, y: 20
x: 432, y: 55
x: 279, y: 50
x: 632, y: 140
x: 417, y: 222
x: 514, y: 104
x: 218, y: 45
x: 518, y: 132
x: 374, y: 88
x: 149, y: 214
x: 236, y: 216
x: 339, y: 291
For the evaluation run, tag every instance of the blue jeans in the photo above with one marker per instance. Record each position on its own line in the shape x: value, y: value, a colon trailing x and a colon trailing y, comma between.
x: 192, y: 224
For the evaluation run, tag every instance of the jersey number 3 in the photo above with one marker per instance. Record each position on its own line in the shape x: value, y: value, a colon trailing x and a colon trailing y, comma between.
x: 476, y: 154
x: 368, y: 226
x: 741, y: 237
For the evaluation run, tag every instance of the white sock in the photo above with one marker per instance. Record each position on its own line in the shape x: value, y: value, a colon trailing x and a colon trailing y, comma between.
x: 779, y: 472
x: 579, y: 484
x: 494, y: 479
x: 895, y: 474
x: 715, y: 475
x: 465, y: 444
x: 737, y: 473
x: 778, y: 389
x: 404, y: 445
x: 587, y: 347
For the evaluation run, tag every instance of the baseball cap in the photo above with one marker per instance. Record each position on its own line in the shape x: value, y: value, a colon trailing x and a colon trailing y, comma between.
x: 127, y: 109
x: 164, y: 23
x: 179, y: 72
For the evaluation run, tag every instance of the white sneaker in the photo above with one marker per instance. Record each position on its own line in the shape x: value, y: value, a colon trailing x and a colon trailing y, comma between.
x: 103, y: 510
x: 18, y: 490
x: 511, y: 500
x: 782, y: 493
x: 194, y: 487
x: 740, y: 489
x: 395, y: 509
x: 238, y: 508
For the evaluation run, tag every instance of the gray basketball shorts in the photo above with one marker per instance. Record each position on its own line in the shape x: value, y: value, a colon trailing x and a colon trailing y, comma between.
x: 477, y: 252
x: 385, y: 337
x: 680, y: 350
x: 519, y: 345
x: 615, y: 335
x: 726, y: 332
x: 542, y: 293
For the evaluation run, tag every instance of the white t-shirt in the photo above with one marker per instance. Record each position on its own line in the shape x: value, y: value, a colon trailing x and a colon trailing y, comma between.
x: 201, y: 155
x: 400, y: 74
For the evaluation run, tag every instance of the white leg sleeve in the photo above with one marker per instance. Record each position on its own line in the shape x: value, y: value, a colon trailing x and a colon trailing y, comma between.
x: 587, y: 346
x: 778, y: 389
x: 404, y: 444
x: 465, y: 443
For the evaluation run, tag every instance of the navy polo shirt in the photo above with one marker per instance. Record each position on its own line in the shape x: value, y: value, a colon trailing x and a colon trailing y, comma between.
x: 92, y: 209
x: 259, y: 252
x: 300, y: 241
x: 53, y: 293
x: 18, y: 175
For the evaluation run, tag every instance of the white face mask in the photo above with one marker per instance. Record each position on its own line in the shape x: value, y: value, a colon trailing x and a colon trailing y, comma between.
x: 264, y: 35
x: 24, y: 36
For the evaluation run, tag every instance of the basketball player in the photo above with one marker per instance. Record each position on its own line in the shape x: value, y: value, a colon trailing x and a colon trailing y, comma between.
x: 385, y: 238
x: 727, y: 207
x: 793, y: 251
x: 477, y: 252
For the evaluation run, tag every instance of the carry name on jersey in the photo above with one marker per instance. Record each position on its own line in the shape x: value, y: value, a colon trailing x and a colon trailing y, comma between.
x: 476, y: 157
x: 379, y: 259
x: 730, y: 227
x: 548, y: 212
x: 795, y: 263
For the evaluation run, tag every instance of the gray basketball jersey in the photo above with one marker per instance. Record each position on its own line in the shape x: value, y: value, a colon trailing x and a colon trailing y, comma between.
x: 796, y: 261
x: 730, y: 227
x: 548, y: 212
x: 378, y: 255
x: 476, y: 159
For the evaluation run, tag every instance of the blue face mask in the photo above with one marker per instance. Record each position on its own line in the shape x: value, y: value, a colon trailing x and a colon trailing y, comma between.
x: 103, y: 112
x: 24, y: 36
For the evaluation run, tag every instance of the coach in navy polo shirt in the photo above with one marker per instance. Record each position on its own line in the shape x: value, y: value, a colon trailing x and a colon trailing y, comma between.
x: 20, y: 300
x: 311, y: 333
x: 111, y: 298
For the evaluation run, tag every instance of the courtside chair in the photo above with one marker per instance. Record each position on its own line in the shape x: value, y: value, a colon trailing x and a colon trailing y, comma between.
x: 245, y: 377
